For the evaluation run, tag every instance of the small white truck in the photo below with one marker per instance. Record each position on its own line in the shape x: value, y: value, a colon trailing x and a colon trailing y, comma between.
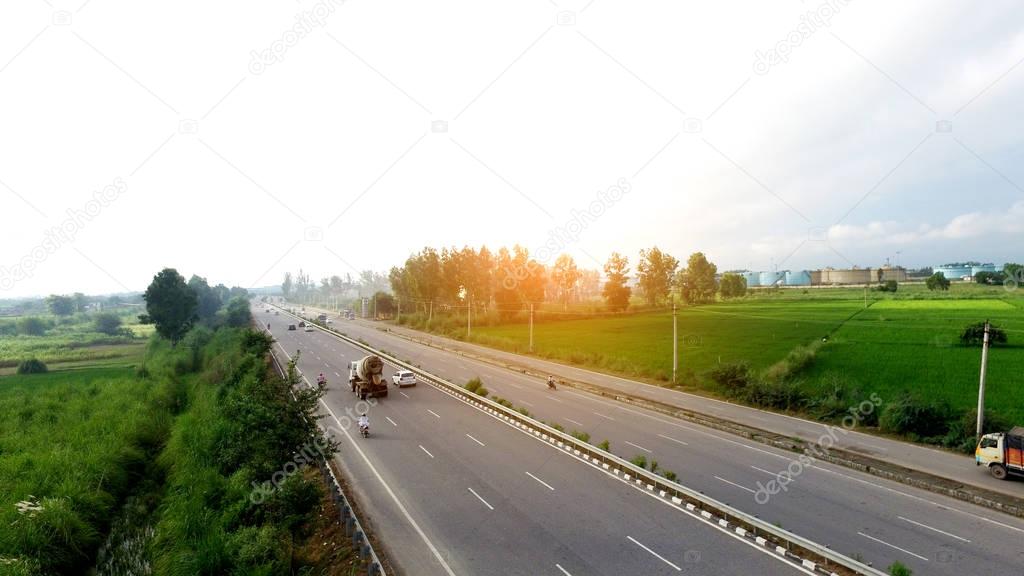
x: 1002, y: 453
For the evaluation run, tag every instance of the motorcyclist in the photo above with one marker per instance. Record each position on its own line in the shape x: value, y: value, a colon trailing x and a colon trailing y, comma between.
x: 321, y: 379
x: 364, y: 422
x: 551, y: 382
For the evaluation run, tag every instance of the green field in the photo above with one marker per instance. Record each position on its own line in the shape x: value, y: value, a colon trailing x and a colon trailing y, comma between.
x: 900, y: 344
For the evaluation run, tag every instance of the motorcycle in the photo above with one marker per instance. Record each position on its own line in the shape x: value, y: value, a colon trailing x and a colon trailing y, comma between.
x: 364, y: 431
x: 551, y: 384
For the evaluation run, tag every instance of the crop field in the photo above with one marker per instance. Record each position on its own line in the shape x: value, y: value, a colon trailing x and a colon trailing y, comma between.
x: 905, y: 343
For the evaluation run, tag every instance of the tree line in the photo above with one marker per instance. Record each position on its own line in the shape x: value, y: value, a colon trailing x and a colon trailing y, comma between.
x: 510, y: 280
x: 175, y: 306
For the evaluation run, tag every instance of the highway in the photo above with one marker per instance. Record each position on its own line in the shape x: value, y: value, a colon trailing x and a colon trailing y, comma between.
x: 449, y: 490
x: 857, y: 514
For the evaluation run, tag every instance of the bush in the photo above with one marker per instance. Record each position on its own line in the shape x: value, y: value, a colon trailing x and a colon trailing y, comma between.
x: 670, y: 475
x: 605, y: 445
x: 31, y: 366
x: 581, y: 436
x: 778, y: 394
x: 474, y: 384
x: 108, y: 323
x: 961, y: 434
x: 640, y: 461
x: 910, y: 415
x: 31, y: 326
x: 798, y: 359
x: 974, y: 335
x: 898, y: 569
x: 733, y: 377
x: 481, y: 391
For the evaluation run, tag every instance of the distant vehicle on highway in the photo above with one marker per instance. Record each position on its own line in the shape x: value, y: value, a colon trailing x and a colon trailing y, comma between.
x: 403, y: 378
x: 309, y: 328
x: 291, y: 326
x: 276, y: 313
x: 322, y: 318
x: 302, y: 324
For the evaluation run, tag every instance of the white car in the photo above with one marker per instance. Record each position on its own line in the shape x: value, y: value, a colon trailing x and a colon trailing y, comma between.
x: 403, y: 378
x: 309, y: 328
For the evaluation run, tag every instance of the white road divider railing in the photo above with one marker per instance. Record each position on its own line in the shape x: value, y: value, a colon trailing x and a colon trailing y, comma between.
x: 796, y: 549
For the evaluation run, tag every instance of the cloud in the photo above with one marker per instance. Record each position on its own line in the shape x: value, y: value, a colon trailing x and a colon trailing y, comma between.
x: 965, y: 226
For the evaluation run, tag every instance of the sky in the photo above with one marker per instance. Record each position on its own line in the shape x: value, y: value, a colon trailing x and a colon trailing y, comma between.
x: 239, y: 140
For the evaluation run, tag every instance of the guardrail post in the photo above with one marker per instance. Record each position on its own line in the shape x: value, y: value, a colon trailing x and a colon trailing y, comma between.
x: 357, y: 537
x: 350, y: 525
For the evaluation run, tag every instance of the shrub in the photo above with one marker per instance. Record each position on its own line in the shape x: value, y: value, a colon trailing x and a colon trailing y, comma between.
x: 640, y: 461
x: 605, y: 445
x: 961, y: 434
x: 654, y: 465
x: 733, y: 377
x: 670, y: 475
x: 31, y: 366
x: 910, y: 415
x: 557, y: 426
x: 108, y: 323
x: 974, y: 335
x: 795, y: 362
x: 481, y: 391
x: 523, y: 411
x: 778, y: 394
x: 31, y: 326
x: 581, y: 436
x: 898, y: 569
x: 474, y: 384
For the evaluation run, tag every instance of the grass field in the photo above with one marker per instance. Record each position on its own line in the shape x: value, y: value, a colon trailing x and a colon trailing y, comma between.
x: 902, y: 343
x: 69, y: 443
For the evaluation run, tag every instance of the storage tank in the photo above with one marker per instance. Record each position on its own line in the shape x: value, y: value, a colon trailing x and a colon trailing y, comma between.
x: 798, y: 278
x: 771, y: 278
x: 753, y: 279
x: 983, y: 268
x: 954, y: 272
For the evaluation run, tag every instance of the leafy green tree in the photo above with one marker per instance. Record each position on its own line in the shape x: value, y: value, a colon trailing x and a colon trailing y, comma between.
x: 994, y: 278
x: 1014, y: 271
x: 170, y: 304
x: 31, y: 326
x: 237, y: 313
x: 60, y: 305
x: 937, y: 281
x: 733, y: 285
x: 697, y: 282
x: 80, y: 301
x: 208, y: 299
x: 385, y: 303
x: 974, y: 335
x: 654, y: 273
x: 616, y: 293
x: 108, y: 323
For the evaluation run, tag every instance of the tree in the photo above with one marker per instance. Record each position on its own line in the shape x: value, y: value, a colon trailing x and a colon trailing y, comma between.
x: 108, y: 323
x: 974, y: 335
x: 385, y: 303
x: 565, y: 275
x: 237, y: 313
x: 697, y: 282
x: 654, y: 273
x: 937, y: 281
x: 60, y: 305
x: 1014, y: 272
x: 616, y: 293
x: 209, y: 300
x: 31, y: 326
x: 80, y: 301
x: 994, y: 278
x: 733, y: 285
x: 287, y: 285
x: 170, y: 304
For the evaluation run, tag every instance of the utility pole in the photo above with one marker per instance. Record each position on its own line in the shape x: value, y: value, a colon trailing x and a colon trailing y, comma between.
x: 675, y: 341
x: 374, y: 305
x: 469, y: 320
x: 398, y: 316
x: 531, y: 327
x: 981, y: 385
x: 430, y: 315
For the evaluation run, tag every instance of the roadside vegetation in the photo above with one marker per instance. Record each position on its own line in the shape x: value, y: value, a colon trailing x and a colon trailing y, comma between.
x: 193, y: 459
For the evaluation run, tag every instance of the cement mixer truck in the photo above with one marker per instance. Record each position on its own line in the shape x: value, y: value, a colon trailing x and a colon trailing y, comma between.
x: 367, y: 378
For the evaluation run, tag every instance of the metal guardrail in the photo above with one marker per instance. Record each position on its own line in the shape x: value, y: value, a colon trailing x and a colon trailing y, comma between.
x: 353, y: 529
x: 792, y: 547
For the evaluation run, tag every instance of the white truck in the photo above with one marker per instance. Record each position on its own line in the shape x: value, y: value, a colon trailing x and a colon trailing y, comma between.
x: 1002, y: 453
